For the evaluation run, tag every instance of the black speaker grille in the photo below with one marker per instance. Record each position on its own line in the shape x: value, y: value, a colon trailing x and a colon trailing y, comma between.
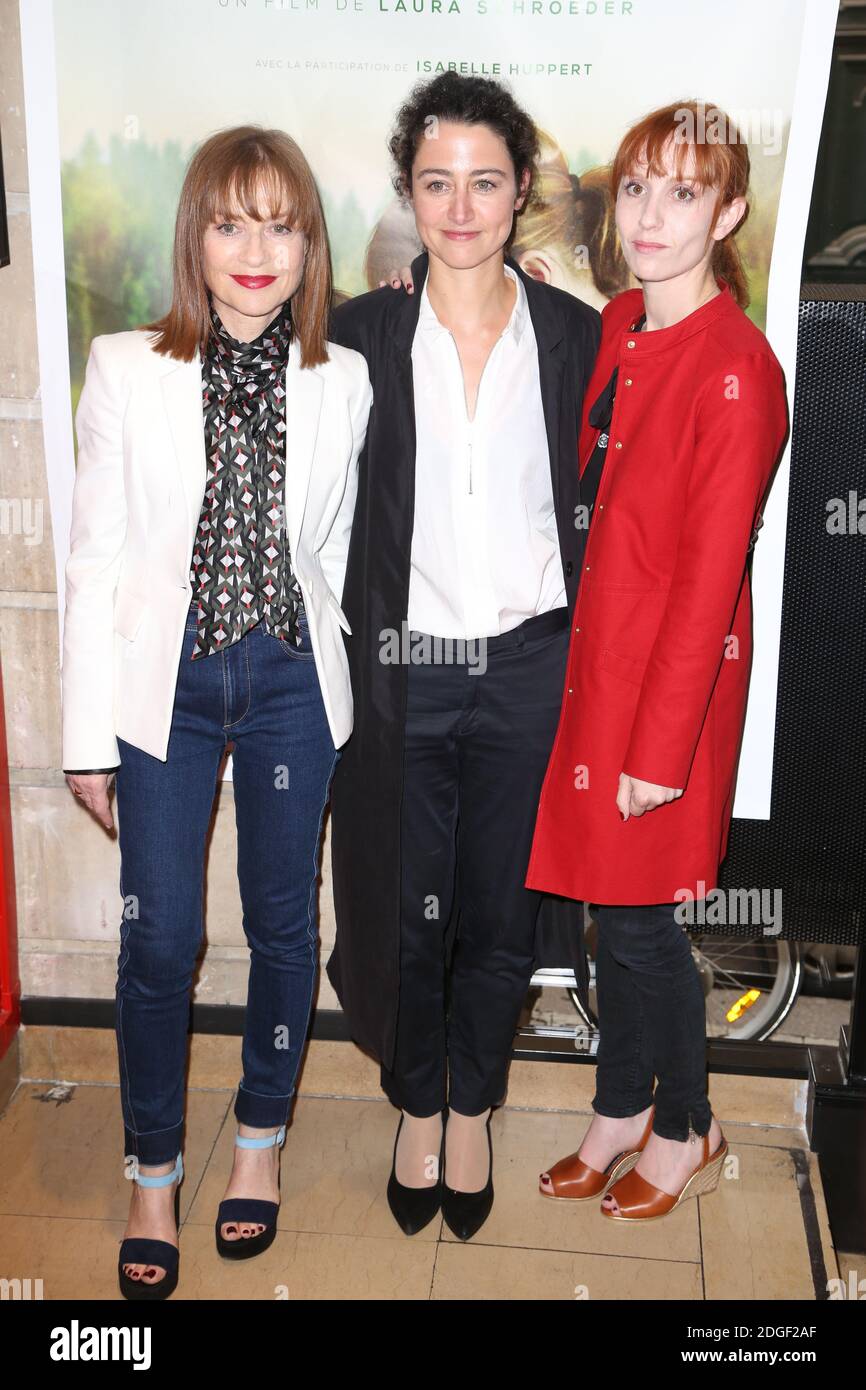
x: 813, y: 847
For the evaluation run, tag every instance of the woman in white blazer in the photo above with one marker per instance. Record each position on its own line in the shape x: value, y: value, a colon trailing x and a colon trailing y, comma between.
x: 214, y: 492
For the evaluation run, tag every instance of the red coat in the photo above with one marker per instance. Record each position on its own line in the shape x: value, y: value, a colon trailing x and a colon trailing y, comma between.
x: 661, y: 642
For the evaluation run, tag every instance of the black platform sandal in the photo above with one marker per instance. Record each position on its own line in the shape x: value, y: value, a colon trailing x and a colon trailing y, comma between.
x: 253, y: 1211
x: 142, y: 1250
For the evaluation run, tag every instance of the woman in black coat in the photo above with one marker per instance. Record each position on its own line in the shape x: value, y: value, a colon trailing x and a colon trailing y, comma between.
x: 468, y: 531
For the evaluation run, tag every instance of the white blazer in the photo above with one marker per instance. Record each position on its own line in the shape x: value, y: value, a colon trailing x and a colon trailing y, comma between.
x: 139, y: 487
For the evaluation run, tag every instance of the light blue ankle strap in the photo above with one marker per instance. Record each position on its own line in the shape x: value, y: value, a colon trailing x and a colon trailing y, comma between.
x: 266, y: 1143
x: 165, y: 1179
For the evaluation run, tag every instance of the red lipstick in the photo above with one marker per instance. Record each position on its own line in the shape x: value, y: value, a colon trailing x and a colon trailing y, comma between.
x: 254, y: 282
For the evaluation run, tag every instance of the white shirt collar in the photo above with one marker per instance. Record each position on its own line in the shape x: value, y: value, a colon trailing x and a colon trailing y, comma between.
x: 428, y: 321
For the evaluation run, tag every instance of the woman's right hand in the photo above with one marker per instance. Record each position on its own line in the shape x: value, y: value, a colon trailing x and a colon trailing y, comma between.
x: 92, y: 789
x: 399, y: 277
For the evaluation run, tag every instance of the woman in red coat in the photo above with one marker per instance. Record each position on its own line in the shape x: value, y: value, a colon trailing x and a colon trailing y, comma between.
x: 685, y: 419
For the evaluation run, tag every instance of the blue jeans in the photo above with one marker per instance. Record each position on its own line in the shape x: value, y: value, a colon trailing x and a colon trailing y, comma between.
x: 651, y: 1020
x: 264, y: 697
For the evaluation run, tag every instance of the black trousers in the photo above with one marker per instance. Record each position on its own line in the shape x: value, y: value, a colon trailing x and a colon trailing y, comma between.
x: 651, y: 1020
x: 476, y: 749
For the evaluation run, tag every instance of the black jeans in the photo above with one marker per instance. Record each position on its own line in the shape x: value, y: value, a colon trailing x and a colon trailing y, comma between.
x: 652, y: 1020
x: 475, y: 753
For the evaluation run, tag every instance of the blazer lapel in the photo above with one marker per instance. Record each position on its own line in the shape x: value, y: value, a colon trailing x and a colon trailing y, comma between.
x: 181, y: 389
x: 552, y: 352
x: 181, y: 392
x: 303, y: 408
x: 403, y: 322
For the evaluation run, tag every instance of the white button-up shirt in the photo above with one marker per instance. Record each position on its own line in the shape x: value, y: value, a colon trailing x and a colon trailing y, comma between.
x: 485, y: 549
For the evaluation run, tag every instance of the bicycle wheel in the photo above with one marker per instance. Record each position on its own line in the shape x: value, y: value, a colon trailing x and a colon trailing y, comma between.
x: 750, y: 985
x: 754, y: 983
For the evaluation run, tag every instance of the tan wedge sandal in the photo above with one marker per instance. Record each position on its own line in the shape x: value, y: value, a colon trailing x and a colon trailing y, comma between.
x: 639, y: 1200
x: 574, y: 1181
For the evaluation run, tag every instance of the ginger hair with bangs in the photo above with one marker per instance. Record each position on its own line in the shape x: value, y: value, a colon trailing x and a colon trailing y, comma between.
x: 226, y: 174
x: 721, y: 162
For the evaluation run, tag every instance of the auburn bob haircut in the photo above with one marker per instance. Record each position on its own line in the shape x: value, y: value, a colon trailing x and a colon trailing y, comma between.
x: 233, y: 171
x: 721, y: 162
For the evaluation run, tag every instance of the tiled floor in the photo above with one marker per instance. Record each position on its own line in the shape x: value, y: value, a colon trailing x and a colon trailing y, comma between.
x: 762, y: 1235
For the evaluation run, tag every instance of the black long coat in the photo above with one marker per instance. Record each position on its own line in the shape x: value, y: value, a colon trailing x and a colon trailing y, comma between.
x: 368, y: 783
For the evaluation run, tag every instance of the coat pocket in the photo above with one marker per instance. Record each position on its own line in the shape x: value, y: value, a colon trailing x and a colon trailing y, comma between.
x: 624, y: 666
x: 128, y: 612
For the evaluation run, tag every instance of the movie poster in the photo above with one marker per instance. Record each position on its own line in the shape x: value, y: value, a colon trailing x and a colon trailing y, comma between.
x: 119, y: 95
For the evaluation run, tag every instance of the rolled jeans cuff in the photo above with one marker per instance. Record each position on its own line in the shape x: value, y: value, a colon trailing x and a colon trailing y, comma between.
x: 163, y: 1146
x: 261, y: 1112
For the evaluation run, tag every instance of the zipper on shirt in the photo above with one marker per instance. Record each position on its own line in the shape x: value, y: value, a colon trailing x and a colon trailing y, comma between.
x: 471, y: 423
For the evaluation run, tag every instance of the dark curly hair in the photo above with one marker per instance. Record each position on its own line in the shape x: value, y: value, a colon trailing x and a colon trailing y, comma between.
x: 470, y: 101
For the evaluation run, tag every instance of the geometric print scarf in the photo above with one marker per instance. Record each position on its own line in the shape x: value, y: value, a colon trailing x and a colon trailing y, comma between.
x: 241, y: 569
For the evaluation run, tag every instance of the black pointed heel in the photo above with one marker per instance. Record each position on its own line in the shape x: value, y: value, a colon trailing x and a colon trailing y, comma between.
x: 413, y: 1208
x: 466, y: 1212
